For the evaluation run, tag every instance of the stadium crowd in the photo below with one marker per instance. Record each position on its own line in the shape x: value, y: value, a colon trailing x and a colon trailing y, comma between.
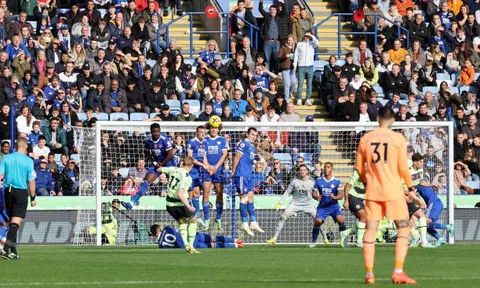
x: 83, y: 62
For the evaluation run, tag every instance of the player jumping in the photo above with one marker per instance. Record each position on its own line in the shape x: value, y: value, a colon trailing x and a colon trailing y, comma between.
x: 242, y: 172
x: 354, y: 196
x: 196, y: 149
x: 168, y: 237
x: 382, y: 164
x: 434, y: 204
x: 302, y: 188
x: 217, y: 152
x: 327, y: 193
x: 158, y: 150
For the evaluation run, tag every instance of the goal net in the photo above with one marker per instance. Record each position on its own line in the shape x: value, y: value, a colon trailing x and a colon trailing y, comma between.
x: 113, y: 165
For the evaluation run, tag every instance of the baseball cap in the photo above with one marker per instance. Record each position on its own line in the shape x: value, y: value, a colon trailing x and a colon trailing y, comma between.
x: 86, y: 66
x: 154, y: 14
x: 258, y: 90
x: 441, y: 106
x: 64, y: 27
x: 111, y: 42
x: 217, y: 57
x: 188, y: 67
x: 50, y: 65
x: 249, y: 108
x: 309, y: 118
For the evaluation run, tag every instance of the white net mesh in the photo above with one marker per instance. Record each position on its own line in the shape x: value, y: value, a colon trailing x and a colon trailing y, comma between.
x: 123, y: 167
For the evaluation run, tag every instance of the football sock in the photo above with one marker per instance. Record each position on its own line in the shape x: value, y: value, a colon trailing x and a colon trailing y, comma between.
x: 251, y: 212
x: 434, y: 233
x: 11, y: 238
x: 206, y: 210
x: 414, y: 232
x: 422, y: 226
x: 192, y: 232
x: 324, y: 234
x: 401, y: 248
x: 244, y: 212
x: 3, y: 231
x: 435, y: 225
x: 360, y: 232
x: 352, y: 230
x: 341, y: 227
x: 196, y: 205
x: 219, y: 206
x: 141, y: 191
x: 184, y: 233
x: 369, y: 250
x: 315, y: 232
x: 280, y: 224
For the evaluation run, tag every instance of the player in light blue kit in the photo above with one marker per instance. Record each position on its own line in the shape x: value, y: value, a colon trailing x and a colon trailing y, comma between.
x: 217, y: 152
x: 158, y: 150
x: 4, y: 220
x: 327, y: 193
x: 169, y: 237
x: 196, y: 149
x: 242, y: 172
x: 434, y: 204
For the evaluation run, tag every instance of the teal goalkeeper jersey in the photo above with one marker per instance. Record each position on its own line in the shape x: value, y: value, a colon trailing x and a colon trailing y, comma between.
x: 178, y: 179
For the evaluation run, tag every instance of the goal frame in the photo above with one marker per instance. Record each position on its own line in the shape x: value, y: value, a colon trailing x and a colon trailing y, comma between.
x: 290, y: 126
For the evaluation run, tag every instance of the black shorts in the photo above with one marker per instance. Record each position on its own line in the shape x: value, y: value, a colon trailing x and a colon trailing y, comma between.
x: 412, y: 208
x: 16, y: 202
x: 355, y: 204
x: 180, y: 212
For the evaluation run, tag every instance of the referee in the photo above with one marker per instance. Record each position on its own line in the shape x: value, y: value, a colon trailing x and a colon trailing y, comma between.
x: 16, y: 170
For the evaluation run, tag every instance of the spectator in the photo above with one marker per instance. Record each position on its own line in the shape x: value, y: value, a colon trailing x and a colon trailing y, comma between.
x: 239, y: 28
x: 301, y: 24
x: 262, y: 76
x: 206, y: 114
x: 259, y: 103
x: 340, y: 95
x: 44, y: 181
x: 396, y: 82
x: 460, y: 146
x: 467, y: 74
x: 472, y: 129
x: 227, y: 113
x: 96, y: 97
x: 238, y: 105
x: 349, y: 69
x: 422, y: 113
x: 286, y: 57
x: 209, y: 92
x: 208, y: 55
x: 303, y: 64
x: 369, y: 72
x: 373, y: 105
x: 290, y: 115
x: 460, y: 121
x: 471, y: 161
x: 68, y: 77
x: 441, y: 114
x: 271, y: 36
x: 270, y: 116
x: 350, y: 110
x: 185, y: 114
x: 155, y: 98
x: 25, y: 121
x: 361, y: 53
x: 470, y: 103
x: 115, y: 100
x: 5, y: 149
x: 218, y: 103
x: 68, y: 180
x: 135, y: 99
x: 56, y: 137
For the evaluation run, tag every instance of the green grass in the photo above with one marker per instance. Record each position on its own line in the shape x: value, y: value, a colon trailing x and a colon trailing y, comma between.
x: 254, y: 266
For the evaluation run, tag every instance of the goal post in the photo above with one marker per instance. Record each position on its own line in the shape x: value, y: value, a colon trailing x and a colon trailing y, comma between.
x: 119, y: 150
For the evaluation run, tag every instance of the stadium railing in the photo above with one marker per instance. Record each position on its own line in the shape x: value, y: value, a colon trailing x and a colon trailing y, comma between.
x: 340, y: 32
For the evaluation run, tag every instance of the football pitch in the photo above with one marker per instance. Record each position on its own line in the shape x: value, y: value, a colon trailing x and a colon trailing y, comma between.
x: 253, y: 266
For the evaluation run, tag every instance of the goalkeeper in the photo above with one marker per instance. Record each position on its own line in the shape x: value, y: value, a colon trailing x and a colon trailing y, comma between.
x: 168, y: 237
x: 109, y: 225
x: 302, y: 188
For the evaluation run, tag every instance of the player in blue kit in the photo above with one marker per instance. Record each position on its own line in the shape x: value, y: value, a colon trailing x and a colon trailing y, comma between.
x: 158, y: 150
x: 169, y: 237
x: 242, y: 172
x: 434, y: 204
x: 196, y: 148
x: 217, y: 152
x: 327, y: 193
x: 4, y: 220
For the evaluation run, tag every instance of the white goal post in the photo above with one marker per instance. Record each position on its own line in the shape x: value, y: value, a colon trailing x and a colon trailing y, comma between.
x: 334, y: 142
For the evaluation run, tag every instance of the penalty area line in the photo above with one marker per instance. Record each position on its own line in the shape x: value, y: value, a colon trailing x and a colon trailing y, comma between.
x: 158, y: 282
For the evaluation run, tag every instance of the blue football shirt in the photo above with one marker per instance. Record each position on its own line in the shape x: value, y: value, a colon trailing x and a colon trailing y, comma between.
x: 245, y: 164
x: 325, y: 187
x: 159, y: 149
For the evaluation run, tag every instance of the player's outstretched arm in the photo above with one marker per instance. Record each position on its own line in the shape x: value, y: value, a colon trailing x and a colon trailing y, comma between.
x: 346, y: 191
x: 316, y: 195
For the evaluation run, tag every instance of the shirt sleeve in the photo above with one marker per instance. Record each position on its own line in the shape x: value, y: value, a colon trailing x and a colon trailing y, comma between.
x: 241, y: 148
x: 167, y: 144
x: 31, y: 172
x: 167, y: 170
x: 403, y: 169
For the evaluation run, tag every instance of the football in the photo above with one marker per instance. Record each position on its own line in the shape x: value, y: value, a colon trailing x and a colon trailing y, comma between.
x: 215, y: 121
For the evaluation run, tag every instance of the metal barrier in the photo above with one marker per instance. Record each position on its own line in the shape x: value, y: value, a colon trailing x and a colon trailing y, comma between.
x: 226, y: 15
x: 374, y: 33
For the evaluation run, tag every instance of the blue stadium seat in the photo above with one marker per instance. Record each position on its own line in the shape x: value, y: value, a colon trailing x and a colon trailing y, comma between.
x: 151, y: 62
x: 175, y: 113
x: 194, y: 105
x: 82, y: 116
x: 319, y: 64
x: 173, y: 103
x: 382, y: 101
x: 225, y: 61
x: 476, y: 76
x: 57, y: 158
x: 432, y: 89
x: 466, y: 88
x: 379, y: 91
x: 285, y: 158
x: 454, y: 78
x: 123, y: 172
x: 75, y: 157
x: 63, y: 10
x: 306, y: 156
x: 340, y: 62
x: 473, y: 184
x: 152, y: 115
x: 192, y: 62
x: 138, y: 116
x: 119, y: 115
x: 101, y: 116
x: 34, y: 26
x: 102, y: 11
x: 443, y: 76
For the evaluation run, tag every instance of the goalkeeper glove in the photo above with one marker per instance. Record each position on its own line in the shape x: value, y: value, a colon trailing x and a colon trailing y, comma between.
x: 278, y: 205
